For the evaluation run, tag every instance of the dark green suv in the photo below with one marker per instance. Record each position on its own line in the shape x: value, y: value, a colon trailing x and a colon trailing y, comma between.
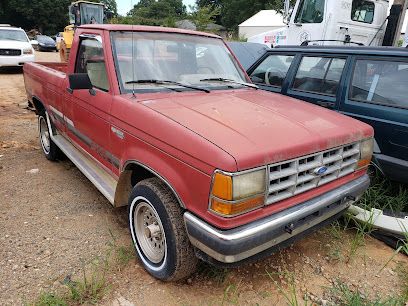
x: 370, y: 84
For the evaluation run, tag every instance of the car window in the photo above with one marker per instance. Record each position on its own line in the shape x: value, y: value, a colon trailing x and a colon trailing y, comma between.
x: 380, y: 82
x: 362, y: 11
x: 319, y: 75
x: 310, y: 11
x: 14, y: 35
x: 272, y: 71
x: 91, y: 60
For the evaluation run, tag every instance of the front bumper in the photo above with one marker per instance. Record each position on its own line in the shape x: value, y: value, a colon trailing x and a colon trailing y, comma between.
x: 11, y: 61
x: 235, y: 245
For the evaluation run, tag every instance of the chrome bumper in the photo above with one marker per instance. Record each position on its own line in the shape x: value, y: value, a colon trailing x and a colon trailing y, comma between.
x: 234, y: 245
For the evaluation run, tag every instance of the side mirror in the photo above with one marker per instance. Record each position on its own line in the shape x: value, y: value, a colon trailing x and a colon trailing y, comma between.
x: 79, y: 81
x: 33, y: 42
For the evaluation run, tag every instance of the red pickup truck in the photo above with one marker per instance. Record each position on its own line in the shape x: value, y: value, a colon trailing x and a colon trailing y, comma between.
x: 167, y: 122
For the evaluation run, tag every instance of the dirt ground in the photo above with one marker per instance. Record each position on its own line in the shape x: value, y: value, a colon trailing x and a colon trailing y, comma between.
x: 53, y: 222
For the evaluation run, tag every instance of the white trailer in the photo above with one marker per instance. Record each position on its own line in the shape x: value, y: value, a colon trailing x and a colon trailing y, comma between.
x: 331, y: 22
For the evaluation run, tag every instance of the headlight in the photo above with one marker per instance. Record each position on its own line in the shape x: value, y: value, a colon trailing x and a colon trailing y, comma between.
x: 28, y: 51
x: 366, y: 153
x: 234, y: 194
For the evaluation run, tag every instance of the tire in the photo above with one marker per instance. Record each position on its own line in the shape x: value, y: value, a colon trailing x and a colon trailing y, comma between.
x: 162, y: 223
x: 49, y: 148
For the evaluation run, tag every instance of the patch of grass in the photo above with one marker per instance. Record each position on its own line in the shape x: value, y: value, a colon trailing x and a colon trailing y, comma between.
x: 385, y: 194
x: 219, y: 275
x: 340, y: 294
x: 92, y: 286
x: 50, y: 299
x: 289, y: 293
x: 231, y: 294
x: 124, y: 254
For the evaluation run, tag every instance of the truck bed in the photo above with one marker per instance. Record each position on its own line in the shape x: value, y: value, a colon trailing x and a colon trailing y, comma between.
x: 45, y: 81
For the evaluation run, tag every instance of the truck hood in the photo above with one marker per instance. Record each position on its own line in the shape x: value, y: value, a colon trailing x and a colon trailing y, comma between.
x: 259, y: 127
x: 10, y: 44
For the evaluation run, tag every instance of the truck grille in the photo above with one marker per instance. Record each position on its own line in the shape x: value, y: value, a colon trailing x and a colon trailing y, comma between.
x: 10, y: 52
x: 293, y: 177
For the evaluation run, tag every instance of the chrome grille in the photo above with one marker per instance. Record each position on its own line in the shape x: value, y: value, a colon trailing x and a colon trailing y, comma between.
x: 293, y: 177
x: 10, y: 52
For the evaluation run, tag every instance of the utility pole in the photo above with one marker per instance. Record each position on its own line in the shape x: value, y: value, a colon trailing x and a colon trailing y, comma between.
x: 398, y: 30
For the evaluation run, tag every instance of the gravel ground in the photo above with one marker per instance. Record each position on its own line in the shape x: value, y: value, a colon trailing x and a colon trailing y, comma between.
x: 53, y: 222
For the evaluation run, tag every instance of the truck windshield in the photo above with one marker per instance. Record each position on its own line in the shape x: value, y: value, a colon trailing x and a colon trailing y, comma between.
x: 16, y: 35
x: 310, y: 11
x: 91, y: 13
x: 198, y: 61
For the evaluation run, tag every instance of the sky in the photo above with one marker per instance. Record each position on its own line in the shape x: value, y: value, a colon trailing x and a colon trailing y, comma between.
x: 124, y: 6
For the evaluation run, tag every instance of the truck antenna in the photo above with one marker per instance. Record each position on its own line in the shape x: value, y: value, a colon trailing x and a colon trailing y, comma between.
x: 133, y: 53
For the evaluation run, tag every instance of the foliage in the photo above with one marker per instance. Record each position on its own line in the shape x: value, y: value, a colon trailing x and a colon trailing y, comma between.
x: 47, y: 16
x: 157, y: 13
x: 385, y: 194
x: 50, y: 299
x: 234, y: 12
x: 204, y: 15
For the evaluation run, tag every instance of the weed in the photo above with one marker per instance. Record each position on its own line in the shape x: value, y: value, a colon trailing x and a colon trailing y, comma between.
x: 385, y: 195
x: 290, y: 293
x: 219, y: 275
x: 50, y: 299
x: 124, y: 254
x: 92, y: 286
x: 340, y: 294
x: 231, y: 294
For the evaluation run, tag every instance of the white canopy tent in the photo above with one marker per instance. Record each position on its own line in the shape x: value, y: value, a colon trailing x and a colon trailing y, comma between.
x: 261, y: 22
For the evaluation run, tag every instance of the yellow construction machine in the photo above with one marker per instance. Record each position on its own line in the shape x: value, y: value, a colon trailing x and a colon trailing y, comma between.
x: 80, y: 12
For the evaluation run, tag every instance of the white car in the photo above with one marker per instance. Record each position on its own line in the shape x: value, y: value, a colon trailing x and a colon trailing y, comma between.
x: 15, y: 47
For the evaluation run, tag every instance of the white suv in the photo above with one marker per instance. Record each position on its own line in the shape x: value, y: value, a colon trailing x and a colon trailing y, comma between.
x: 15, y: 47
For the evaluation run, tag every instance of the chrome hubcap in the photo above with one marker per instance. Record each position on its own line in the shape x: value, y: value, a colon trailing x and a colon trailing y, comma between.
x: 44, y: 135
x: 149, y: 232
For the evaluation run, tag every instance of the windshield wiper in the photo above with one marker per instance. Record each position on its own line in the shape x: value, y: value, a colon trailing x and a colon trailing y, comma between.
x: 229, y: 81
x: 163, y: 82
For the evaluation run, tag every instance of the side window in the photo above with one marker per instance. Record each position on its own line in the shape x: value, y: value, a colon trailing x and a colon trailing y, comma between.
x: 310, y: 11
x: 272, y: 71
x: 362, y: 11
x: 380, y: 82
x: 319, y: 75
x: 91, y: 60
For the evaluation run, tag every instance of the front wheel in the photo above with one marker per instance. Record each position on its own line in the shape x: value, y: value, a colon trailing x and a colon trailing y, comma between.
x: 49, y: 148
x: 158, y: 232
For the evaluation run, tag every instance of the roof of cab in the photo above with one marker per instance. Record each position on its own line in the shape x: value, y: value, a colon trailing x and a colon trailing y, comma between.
x: 141, y: 28
x: 384, y: 51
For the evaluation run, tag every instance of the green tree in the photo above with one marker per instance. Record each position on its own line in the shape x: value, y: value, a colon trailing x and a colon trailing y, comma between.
x: 160, y: 12
x: 112, y: 6
x: 48, y: 16
x: 204, y: 15
x: 233, y: 12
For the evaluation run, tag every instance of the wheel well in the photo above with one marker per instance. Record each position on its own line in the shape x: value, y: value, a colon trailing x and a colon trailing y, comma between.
x: 39, y: 107
x: 132, y: 174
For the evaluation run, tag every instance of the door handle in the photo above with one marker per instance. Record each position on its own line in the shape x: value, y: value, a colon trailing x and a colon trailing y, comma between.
x: 325, y: 103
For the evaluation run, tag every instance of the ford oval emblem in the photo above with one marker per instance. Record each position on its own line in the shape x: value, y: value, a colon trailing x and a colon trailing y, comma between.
x: 320, y: 171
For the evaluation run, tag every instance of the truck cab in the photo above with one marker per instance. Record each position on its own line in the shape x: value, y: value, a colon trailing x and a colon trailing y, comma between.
x: 331, y: 22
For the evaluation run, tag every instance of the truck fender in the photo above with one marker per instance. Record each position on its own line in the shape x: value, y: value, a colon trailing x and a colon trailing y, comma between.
x: 124, y: 186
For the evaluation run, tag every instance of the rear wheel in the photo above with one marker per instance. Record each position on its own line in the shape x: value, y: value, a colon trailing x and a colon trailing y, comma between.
x: 158, y: 232
x: 49, y: 148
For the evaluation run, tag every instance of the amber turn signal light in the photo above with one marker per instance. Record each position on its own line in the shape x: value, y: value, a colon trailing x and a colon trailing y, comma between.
x: 232, y: 209
x: 222, y: 186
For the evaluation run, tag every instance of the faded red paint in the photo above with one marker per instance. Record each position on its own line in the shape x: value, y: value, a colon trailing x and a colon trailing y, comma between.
x: 186, y: 136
